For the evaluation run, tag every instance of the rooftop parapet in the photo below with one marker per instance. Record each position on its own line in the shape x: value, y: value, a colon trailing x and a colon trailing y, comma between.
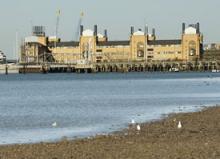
x: 38, y: 31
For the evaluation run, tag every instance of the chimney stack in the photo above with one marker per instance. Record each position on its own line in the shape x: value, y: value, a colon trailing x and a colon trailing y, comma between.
x: 81, y: 30
x: 153, y: 32
x: 183, y: 28
x: 95, y: 30
x: 105, y: 33
x: 132, y: 30
x: 146, y: 30
x: 198, y: 28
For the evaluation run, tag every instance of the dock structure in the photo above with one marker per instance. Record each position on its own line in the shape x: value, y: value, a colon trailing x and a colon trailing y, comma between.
x: 172, y: 66
x: 8, y: 68
x: 93, y: 49
x: 94, y: 52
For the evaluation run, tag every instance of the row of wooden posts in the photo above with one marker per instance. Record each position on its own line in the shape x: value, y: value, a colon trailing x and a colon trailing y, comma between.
x: 125, y: 67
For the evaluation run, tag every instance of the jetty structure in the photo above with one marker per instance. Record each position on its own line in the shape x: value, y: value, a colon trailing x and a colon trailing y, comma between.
x: 94, y: 52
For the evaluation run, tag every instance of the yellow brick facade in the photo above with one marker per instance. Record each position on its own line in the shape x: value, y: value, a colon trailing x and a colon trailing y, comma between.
x: 165, y: 53
x: 141, y: 46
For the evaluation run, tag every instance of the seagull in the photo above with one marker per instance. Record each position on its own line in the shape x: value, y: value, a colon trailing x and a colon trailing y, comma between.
x: 54, y: 124
x: 138, y: 127
x: 132, y: 121
x: 179, y: 125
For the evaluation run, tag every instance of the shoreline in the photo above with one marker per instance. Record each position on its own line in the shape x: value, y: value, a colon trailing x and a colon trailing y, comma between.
x: 199, y: 138
x: 121, y: 129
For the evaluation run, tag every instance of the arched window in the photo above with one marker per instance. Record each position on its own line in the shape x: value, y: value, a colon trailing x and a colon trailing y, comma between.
x: 85, y: 50
x: 192, y: 48
x: 140, y: 49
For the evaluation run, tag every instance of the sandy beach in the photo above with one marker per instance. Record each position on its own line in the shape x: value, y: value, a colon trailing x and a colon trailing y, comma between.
x: 199, y: 137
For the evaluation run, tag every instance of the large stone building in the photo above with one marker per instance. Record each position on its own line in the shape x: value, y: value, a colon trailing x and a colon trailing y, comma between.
x: 93, y: 47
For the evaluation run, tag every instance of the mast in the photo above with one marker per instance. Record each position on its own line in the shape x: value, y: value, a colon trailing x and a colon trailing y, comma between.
x: 56, y: 31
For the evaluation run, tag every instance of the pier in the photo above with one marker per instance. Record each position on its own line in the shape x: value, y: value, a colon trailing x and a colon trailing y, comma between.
x: 142, y: 66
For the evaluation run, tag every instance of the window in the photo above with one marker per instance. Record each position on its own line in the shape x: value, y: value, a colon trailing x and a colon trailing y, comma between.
x: 98, y: 57
x: 150, y: 57
x: 99, y: 50
x: 192, y: 48
x: 140, y: 49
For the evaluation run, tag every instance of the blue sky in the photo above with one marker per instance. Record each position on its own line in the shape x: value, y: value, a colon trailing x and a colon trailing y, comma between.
x: 115, y: 15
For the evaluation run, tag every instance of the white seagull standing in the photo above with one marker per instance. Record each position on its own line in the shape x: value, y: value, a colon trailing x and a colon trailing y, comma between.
x: 54, y: 124
x: 179, y: 125
x: 132, y: 121
x: 138, y: 127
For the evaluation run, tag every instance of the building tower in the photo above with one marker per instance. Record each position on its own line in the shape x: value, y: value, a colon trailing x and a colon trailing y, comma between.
x: 138, y: 42
x: 191, y: 42
x: 88, y: 40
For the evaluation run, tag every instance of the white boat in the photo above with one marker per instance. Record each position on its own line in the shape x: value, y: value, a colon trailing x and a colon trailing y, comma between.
x: 174, y: 69
x: 215, y: 70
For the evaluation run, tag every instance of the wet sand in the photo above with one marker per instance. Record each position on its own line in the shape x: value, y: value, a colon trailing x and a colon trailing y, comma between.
x: 199, y: 137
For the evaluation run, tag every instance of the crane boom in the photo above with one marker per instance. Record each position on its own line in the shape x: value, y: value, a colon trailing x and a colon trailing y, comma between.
x: 57, y: 22
x: 57, y: 27
x: 78, y: 26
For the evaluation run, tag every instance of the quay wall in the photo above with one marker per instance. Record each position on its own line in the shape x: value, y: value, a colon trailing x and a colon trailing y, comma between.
x: 122, y: 67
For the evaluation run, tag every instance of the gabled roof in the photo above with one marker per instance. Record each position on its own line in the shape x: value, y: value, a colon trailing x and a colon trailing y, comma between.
x: 113, y: 43
x: 164, y: 42
x: 64, y: 44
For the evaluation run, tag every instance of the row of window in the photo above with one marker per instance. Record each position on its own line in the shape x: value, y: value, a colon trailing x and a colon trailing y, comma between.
x: 114, y: 46
x: 164, y: 45
x: 118, y: 46
x: 169, y: 52
x: 166, y: 52
x: 150, y: 54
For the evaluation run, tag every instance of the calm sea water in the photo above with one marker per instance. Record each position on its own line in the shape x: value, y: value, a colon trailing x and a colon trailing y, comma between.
x: 89, y: 104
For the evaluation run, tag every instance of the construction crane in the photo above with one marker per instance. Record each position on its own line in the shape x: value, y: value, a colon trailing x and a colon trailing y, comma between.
x: 56, y: 29
x: 76, y: 37
x: 57, y: 24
